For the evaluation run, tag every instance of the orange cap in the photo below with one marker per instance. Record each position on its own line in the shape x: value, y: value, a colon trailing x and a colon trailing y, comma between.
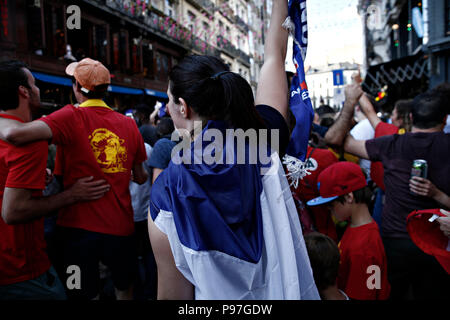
x: 89, y: 73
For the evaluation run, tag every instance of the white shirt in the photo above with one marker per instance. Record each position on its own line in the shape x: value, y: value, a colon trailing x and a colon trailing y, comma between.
x: 363, y: 131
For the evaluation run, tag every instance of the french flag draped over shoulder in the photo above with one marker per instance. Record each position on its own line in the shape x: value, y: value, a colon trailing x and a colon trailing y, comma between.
x: 300, y: 103
x: 233, y: 232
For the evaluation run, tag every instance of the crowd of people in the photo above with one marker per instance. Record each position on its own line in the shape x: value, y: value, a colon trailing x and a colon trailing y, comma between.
x: 122, y: 216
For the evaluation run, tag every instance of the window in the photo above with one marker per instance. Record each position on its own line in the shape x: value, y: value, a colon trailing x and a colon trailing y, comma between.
x: 169, y: 9
x: 34, y: 25
x: 136, y: 55
x: 100, y: 41
x: 120, y: 51
x: 191, y: 22
x: 162, y: 66
x: 206, y: 31
x: 147, y: 52
x: 124, y: 51
x: 54, y: 31
x: 447, y: 17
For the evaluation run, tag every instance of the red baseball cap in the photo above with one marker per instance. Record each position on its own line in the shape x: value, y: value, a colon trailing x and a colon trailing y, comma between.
x: 338, y: 179
x: 428, y: 237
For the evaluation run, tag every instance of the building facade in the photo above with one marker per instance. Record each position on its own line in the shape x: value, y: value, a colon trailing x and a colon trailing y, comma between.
x: 138, y: 40
x: 396, y: 58
x: 438, y: 44
x: 323, y: 86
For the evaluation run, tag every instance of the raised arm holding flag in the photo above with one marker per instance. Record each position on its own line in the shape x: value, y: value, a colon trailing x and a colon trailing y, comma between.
x: 299, y: 103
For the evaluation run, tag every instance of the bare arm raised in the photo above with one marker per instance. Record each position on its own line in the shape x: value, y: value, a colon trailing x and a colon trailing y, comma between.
x: 338, y: 131
x: 272, y: 85
x: 369, y: 111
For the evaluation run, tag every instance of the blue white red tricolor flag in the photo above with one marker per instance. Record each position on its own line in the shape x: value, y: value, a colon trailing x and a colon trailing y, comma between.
x: 300, y: 103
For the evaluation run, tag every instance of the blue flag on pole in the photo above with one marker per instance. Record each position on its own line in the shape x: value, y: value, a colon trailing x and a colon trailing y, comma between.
x: 300, y: 103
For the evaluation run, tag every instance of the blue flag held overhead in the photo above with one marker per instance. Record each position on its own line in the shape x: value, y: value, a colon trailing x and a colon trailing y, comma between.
x: 300, y: 103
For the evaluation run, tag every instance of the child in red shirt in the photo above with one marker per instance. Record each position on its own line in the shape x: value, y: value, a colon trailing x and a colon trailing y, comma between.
x: 363, y: 267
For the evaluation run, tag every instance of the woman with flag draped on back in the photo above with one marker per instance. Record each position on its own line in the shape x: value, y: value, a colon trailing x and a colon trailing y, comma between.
x: 229, y: 231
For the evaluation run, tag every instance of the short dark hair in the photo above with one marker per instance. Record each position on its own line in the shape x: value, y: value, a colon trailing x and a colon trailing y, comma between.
x: 363, y: 195
x: 443, y: 89
x: 144, y: 109
x: 12, y: 76
x: 325, y: 109
x: 327, y: 122
x: 165, y: 126
x: 99, y: 92
x: 324, y: 257
x: 428, y: 110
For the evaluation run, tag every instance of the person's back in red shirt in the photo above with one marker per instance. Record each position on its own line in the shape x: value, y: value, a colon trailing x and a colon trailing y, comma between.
x: 94, y: 140
x: 363, y: 268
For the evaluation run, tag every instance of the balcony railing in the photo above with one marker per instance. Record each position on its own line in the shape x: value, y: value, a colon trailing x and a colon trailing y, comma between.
x: 207, y: 5
x: 226, y: 45
x: 164, y: 25
x: 244, y: 57
x: 169, y: 28
x: 242, y: 24
x: 226, y: 10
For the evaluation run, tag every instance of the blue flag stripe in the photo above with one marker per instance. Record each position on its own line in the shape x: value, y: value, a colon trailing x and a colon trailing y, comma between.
x: 299, y: 103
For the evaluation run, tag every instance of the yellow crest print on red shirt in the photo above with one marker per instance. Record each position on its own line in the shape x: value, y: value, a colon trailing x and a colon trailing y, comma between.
x: 109, y: 150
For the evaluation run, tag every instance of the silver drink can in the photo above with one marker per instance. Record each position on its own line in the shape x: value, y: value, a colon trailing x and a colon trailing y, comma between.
x: 419, y: 168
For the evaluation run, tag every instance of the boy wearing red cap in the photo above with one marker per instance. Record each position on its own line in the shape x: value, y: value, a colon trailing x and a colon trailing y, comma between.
x: 363, y: 268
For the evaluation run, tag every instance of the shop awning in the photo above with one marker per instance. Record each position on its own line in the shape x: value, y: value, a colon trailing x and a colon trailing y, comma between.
x: 53, y: 79
x: 125, y: 90
x: 63, y: 81
x: 155, y: 93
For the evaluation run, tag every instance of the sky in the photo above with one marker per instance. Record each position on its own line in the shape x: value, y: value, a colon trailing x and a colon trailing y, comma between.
x: 334, y: 32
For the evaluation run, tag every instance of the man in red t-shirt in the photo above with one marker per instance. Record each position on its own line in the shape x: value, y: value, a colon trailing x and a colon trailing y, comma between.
x: 25, y: 270
x: 363, y: 268
x: 99, y: 142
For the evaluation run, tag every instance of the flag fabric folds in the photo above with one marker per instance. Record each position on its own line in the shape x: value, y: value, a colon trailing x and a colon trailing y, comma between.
x: 231, y: 233
x: 300, y: 103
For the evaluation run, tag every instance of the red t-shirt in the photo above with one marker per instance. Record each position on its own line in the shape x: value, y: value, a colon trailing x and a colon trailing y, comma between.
x: 93, y: 140
x: 360, y: 248
x: 316, y: 161
x: 22, y: 246
x: 376, y: 167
